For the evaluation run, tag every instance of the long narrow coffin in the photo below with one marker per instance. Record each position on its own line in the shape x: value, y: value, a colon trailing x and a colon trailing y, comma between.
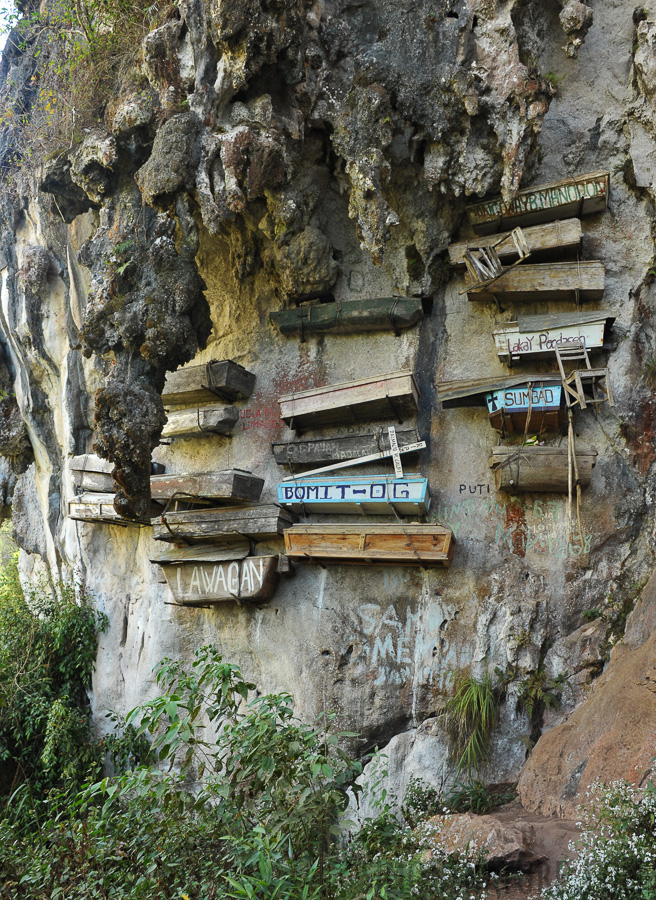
x: 406, y: 545
x: 252, y: 579
x: 228, y: 486
x: 541, y: 240
x: 392, y: 396
x: 536, y: 406
x: 350, y: 316
x: 99, y: 508
x: 94, y: 474
x: 337, y: 449
x: 223, y: 523
x: 536, y: 336
x: 577, y: 196
x: 378, y: 494
x: 219, y: 378
x: 546, y: 281
x: 195, y: 422
x: 518, y: 469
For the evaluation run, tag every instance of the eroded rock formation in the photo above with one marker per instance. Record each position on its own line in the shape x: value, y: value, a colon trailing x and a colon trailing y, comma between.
x: 257, y: 153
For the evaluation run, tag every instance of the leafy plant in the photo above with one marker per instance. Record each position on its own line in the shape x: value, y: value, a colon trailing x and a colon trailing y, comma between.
x: 421, y: 801
x: 649, y: 371
x: 476, y: 797
x: 238, y: 800
x: 469, y: 717
x: 616, y: 857
x: 47, y: 653
x: 539, y: 691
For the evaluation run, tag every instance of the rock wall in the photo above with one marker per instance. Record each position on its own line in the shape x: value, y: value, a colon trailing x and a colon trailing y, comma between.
x: 270, y: 151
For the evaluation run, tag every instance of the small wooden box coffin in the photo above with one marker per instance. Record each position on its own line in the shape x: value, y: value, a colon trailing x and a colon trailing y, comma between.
x: 392, y: 396
x: 580, y: 195
x: 378, y: 494
x: 546, y: 281
x: 218, y: 378
x: 538, y: 468
x: 541, y: 239
x: 252, y: 579
x: 406, y: 545
x: 99, y: 508
x: 224, y: 523
x: 230, y: 486
x: 337, y: 449
x: 350, y: 316
x: 197, y: 421
x: 540, y: 404
x: 94, y: 474
x: 537, y: 336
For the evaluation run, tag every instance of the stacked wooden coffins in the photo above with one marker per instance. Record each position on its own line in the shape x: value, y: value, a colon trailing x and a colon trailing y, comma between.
x: 215, y: 522
x: 190, y: 396
x: 537, y: 406
x: 94, y: 498
x: 388, y: 396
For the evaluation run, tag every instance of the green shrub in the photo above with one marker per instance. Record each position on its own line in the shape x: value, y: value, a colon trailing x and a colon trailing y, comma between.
x: 239, y: 800
x: 469, y: 717
x: 616, y: 857
x: 47, y: 653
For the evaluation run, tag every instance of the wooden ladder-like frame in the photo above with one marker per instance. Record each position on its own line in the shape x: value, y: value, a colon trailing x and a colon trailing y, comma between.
x: 575, y: 380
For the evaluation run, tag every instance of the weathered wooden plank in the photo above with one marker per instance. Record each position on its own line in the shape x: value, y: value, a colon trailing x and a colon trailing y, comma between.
x: 546, y: 281
x: 394, y: 395
x: 576, y: 196
x: 236, y: 549
x: 97, y: 508
x: 253, y: 579
x: 229, y: 485
x: 379, y: 494
x: 560, y: 236
x: 518, y: 469
x: 183, y: 423
x: 472, y: 391
x: 408, y: 545
x: 94, y: 474
x: 224, y: 523
x: 518, y: 340
x: 337, y: 449
x: 195, y: 384
x: 349, y: 316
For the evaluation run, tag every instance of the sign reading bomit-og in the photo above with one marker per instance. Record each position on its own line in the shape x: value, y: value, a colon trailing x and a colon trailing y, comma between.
x: 523, y: 398
x: 382, y: 494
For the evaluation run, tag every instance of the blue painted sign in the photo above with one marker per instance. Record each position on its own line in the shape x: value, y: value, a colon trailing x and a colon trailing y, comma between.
x: 539, y: 398
x: 382, y: 494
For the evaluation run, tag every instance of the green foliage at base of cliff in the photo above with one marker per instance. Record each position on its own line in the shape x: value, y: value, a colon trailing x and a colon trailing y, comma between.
x: 47, y: 653
x: 239, y: 800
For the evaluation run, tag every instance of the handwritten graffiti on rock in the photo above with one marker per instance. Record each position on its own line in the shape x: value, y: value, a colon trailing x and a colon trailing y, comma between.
x: 401, y: 646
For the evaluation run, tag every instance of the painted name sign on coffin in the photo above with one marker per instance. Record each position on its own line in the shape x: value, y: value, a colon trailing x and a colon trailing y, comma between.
x: 384, y: 494
x: 253, y: 578
x: 521, y: 398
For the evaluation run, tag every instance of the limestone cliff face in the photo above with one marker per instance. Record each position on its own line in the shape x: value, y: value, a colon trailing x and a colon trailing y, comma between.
x: 268, y: 151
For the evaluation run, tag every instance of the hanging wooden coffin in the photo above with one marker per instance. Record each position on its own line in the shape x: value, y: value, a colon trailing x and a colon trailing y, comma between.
x: 230, y: 485
x: 392, y: 396
x: 350, y: 316
x: 378, y: 494
x: 198, y: 421
x: 89, y: 507
x: 537, y: 336
x: 219, y: 378
x: 545, y: 281
x: 223, y: 523
x: 332, y: 450
x: 540, y: 405
x: 94, y: 474
x: 518, y: 469
x: 580, y: 195
x: 406, y: 545
x: 253, y: 580
x: 541, y: 239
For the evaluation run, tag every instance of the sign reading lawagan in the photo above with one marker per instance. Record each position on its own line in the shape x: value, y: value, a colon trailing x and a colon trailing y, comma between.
x: 253, y: 579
